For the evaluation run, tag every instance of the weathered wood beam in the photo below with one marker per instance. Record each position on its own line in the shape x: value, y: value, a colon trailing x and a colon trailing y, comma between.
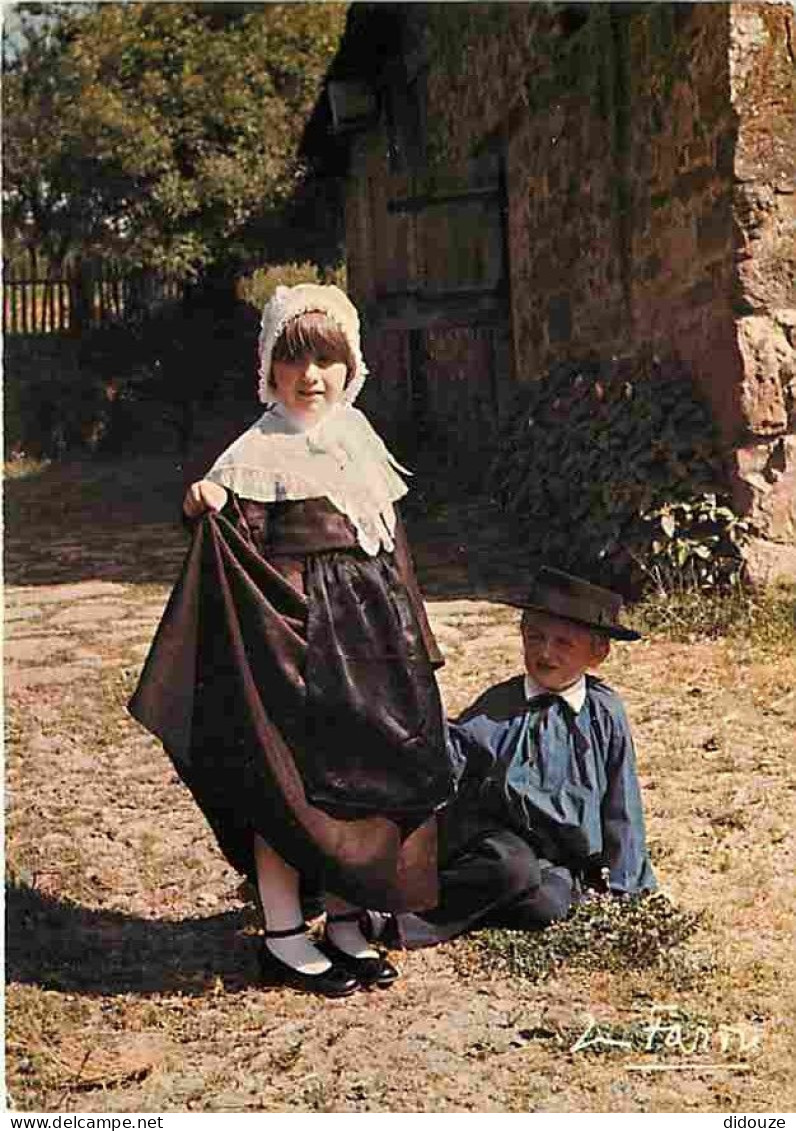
x: 428, y: 200
x: 421, y: 310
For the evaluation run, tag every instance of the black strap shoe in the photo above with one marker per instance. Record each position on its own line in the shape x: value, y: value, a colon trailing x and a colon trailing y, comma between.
x: 337, y: 981
x: 369, y: 972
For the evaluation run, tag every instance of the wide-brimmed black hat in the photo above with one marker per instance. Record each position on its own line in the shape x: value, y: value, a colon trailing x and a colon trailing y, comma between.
x: 561, y: 595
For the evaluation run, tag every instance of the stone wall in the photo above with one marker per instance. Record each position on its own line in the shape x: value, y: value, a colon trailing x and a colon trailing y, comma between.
x: 650, y: 164
x: 763, y: 94
x: 620, y: 140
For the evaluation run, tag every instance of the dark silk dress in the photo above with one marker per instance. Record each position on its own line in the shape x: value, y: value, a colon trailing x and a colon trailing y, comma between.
x: 291, y: 681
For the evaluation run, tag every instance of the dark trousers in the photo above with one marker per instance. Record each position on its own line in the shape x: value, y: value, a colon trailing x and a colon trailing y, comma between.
x: 494, y: 879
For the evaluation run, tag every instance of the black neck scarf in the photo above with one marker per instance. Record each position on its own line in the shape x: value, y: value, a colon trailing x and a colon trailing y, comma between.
x: 549, y: 711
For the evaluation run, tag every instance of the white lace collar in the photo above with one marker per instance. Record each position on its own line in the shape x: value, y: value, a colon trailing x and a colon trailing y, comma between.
x: 341, y: 458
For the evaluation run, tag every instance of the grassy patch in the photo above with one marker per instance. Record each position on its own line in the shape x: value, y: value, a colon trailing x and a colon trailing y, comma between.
x: 603, y: 933
x: 764, y: 619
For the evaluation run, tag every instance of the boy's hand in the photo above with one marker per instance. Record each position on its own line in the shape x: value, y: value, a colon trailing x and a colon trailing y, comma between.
x: 204, y: 495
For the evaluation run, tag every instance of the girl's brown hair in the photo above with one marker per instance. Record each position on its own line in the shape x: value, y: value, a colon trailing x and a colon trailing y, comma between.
x: 314, y: 334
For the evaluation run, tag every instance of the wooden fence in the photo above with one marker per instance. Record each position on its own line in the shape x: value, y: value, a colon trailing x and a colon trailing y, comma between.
x: 81, y: 298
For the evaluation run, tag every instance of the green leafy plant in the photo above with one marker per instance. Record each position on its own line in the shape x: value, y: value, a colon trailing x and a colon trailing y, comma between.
x: 696, y: 542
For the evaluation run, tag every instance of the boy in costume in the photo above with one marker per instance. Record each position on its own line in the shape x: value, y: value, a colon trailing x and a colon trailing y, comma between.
x: 548, y: 799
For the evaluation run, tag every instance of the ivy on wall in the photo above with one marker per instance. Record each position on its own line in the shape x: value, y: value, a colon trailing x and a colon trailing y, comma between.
x: 612, y: 470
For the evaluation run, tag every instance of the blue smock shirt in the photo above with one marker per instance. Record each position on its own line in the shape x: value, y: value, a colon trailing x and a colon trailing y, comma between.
x: 562, y: 776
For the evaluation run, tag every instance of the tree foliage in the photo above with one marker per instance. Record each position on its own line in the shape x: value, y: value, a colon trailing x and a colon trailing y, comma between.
x: 156, y: 133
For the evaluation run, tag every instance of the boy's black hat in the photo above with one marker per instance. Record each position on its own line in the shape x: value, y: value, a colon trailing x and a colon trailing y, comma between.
x: 562, y: 595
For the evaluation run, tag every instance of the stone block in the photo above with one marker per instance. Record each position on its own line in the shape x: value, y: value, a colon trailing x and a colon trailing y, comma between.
x: 50, y: 594
x: 99, y: 614
x: 769, y: 363
x: 768, y: 562
x: 765, y: 487
x: 34, y: 648
x: 786, y: 318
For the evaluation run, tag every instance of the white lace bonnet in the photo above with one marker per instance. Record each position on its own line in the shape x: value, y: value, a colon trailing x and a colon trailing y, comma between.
x: 287, y: 303
x: 341, y: 457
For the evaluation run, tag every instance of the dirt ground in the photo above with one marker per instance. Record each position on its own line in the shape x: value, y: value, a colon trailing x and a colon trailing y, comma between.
x: 130, y: 945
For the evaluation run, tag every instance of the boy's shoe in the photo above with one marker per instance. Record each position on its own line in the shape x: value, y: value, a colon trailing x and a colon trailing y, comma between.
x: 380, y: 926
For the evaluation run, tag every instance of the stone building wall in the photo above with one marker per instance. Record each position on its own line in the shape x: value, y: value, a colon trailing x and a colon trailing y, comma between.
x: 650, y: 165
x: 620, y: 139
x: 763, y: 93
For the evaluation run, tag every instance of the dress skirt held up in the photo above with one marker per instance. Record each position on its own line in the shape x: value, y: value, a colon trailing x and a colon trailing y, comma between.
x: 291, y: 681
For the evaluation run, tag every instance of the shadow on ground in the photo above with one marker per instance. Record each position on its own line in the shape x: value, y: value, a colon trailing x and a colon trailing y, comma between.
x: 59, y: 945
x: 92, y: 520
x: 120, y: 521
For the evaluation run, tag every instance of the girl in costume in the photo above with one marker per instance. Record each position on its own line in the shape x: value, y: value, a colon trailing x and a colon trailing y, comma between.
x: 291, y: 679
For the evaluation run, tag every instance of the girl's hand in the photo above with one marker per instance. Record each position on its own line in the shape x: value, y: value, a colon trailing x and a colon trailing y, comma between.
x: 204, y: 495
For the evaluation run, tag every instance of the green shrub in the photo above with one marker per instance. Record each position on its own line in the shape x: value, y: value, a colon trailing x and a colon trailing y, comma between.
x: 613, y: 470
x: 764, y: 619
x: 51, y: 404
x: 602, y: 933
x: 129, y: 387
x: 258, y: 287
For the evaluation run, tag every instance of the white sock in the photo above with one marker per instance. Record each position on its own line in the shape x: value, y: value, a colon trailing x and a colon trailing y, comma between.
x: 347, y: 936
x: 299, y: 952
x: 278, y: 888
